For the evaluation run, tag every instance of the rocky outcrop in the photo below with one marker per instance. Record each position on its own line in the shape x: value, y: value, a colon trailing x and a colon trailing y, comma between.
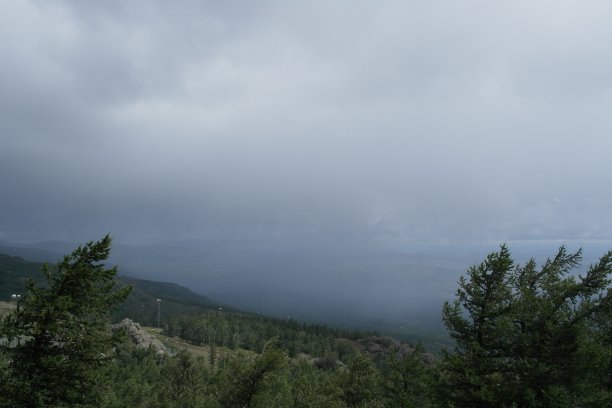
x: 323, y: 363
x: 140, y: 337
x: 383, y: 346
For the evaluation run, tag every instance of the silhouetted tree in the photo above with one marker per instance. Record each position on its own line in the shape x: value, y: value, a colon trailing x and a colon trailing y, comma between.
x: 528, y: 336
x: 60, y: 331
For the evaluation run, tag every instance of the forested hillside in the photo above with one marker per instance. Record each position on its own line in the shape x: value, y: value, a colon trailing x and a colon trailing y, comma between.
x: 199, y: 320
x: 14, y: 273
x: 251, y: 332
x: 141, y: 305
x: 525, y: 335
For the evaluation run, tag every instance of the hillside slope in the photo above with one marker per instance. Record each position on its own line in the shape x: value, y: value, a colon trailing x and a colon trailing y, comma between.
x: 141, y: 305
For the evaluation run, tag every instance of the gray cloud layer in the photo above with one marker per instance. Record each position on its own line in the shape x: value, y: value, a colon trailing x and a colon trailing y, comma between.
x: 385, y: 121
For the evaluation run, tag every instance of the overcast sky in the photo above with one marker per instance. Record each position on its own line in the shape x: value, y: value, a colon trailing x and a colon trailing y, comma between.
x: 379, y: 120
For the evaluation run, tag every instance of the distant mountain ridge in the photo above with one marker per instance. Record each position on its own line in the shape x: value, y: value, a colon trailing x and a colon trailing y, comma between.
x: 398, y: 294
x: 184, y: 313
x: 30, y: 252
x: 141, y: 305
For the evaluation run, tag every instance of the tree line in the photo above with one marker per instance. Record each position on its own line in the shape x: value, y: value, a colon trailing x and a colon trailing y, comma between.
x: 251, y: 332
x: 525, y: 336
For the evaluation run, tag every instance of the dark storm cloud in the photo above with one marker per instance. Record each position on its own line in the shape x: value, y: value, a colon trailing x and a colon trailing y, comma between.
x: 352, y: 120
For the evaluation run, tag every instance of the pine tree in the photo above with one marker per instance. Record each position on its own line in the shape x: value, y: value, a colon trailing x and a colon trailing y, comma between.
x: 260, y: 382
x: 60, y: 331
x: 360, y: 383
x: 406, y: 380
x: 473, y: 373
x: 529, y: 336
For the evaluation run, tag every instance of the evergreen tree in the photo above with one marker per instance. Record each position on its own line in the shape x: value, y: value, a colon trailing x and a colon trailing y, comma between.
x: 473, y: 372
x: 257, y: 383
x: 183, y: 383
x: 314, y: 388
x: 528, y: 336
x: 360, y: 383
x: 406, y: 380
x: 60, y: 333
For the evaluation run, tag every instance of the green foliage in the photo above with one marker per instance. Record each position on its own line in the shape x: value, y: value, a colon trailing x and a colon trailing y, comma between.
x: 261, y: 382
x: 407, y: 380
x: 61, y: 331
x: 140, y: 305
x: 313, y: 388
x: 529, y: 336
x: 14, y: 275
x: 4, y: 373
x: 360, y: 384
x: 269, y: 379
x: 183, y: 383
x: 251, y: 332
x: 136, y: 378
x: 525, y: 336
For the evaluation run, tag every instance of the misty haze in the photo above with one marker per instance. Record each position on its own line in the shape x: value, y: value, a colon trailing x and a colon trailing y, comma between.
x: 338, y: 163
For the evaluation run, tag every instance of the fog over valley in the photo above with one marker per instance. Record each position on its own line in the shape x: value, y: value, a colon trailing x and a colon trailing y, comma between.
x: 340, y: 162
x: 397, y: 292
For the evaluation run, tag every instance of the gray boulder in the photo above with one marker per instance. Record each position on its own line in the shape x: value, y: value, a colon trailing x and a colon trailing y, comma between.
x: 140, y: 337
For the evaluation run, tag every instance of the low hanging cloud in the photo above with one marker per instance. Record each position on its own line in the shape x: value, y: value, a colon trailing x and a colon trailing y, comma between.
x: 275, y: 120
